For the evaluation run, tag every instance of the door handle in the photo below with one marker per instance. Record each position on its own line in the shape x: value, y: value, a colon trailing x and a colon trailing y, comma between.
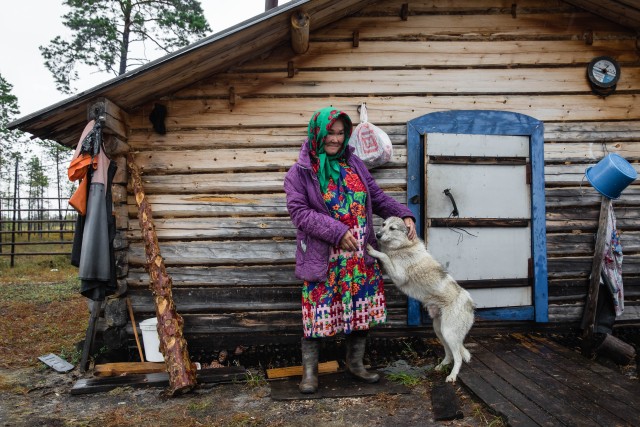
x: 454, y: 212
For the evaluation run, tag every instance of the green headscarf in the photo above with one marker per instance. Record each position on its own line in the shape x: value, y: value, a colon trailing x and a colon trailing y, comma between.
x: 326, y: 166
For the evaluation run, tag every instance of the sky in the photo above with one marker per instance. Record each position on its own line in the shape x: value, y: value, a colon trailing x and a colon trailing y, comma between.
x: 27, y: 24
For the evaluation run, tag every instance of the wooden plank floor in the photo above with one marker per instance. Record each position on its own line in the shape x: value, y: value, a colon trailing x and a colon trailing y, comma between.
x: 533, y: 381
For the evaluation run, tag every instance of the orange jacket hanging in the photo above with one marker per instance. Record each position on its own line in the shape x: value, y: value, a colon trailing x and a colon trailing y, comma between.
x: 78, y: 170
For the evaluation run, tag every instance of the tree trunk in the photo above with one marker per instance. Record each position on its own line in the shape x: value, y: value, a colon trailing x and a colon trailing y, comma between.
x: 126, y: 31
x: 182, y: 373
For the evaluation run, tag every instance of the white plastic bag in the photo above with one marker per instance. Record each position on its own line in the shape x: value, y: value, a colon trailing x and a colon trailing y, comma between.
x: 372, y: 145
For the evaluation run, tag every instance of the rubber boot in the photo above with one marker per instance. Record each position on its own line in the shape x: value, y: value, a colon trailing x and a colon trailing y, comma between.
x: 356, y: 342
x: 309, y: 383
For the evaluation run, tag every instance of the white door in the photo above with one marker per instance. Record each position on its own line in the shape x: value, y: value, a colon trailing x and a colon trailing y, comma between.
x: 478, y: 214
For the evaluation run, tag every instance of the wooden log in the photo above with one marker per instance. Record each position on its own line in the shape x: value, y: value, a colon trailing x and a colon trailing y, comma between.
x: 182, y: 373
x: 296, y: 371
x: 157, y: 379
x: 387, y: 110
x: 114, y: 118
x: 119, y: 193
x: 387, y: 179
x: 436, y: 54
x: 300, y: 23
x: 114, y: 146
x: 430, y: 27
x: 589, y: 317
x: 617, y: 350
x: 385, y: 82
x: 121, y: 176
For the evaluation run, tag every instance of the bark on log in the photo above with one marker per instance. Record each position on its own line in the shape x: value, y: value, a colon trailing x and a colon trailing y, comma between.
x: 182, y: 373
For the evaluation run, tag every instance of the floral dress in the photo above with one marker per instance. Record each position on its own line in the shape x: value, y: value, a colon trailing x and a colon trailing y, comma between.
x: 352, y: 297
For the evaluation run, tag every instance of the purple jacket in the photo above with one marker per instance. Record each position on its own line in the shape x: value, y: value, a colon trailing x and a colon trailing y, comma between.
x: 317, y: 230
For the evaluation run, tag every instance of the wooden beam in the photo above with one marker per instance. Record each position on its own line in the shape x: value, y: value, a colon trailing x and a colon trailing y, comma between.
x: 296, y: 371
x: 182, y: 373
x: 114, y: 119
x: 589, y: 316
x: 300, y: 23
x: 128, y: 368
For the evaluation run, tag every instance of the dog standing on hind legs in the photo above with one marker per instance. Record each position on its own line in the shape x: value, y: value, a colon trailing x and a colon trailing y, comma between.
x: 416, y: 273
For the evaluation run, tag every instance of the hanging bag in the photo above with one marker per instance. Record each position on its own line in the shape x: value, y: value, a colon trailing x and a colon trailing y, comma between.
x: 372, y: 145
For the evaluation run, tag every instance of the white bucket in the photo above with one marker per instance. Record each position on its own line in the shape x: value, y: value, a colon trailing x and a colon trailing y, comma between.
x: 151, y: 340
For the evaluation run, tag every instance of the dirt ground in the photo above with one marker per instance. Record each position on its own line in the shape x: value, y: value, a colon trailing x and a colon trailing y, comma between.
x: 41, y: 397
x: 42, y: 315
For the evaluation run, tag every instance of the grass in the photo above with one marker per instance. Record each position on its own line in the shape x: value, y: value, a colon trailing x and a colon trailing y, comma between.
x: 487, y: 418
x: 36, y: 269
x: 405, y: 379
x: 41, y: 310
x: 254, y: 380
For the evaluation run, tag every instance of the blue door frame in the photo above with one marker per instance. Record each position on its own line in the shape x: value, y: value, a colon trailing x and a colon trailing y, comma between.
x: 481, y: 122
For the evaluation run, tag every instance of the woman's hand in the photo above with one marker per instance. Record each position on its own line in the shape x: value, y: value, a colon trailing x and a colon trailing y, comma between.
x: 411, y: 226
x: 348, y: 242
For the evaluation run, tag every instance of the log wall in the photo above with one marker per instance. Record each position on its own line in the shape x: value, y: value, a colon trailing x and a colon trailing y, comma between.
x: 215, y: 179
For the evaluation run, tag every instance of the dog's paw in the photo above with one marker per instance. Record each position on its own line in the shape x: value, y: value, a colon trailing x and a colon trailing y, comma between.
x: 451, y: 378
x: 371, y: 250
x: 443, y: 365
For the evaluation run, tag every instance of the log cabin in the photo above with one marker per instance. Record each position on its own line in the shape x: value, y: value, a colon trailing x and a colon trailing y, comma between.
x: 487, y: 98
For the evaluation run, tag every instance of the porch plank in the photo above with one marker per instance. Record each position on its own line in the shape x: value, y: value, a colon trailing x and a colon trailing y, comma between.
x: 553, y: 388
x: 531, y: 380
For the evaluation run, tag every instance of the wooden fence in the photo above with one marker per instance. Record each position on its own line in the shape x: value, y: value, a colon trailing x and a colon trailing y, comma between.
x: 30, y: 227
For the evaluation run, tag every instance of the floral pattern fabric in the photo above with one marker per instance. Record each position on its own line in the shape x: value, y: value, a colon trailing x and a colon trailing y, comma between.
x: 612, y: 256
x: 352, y: 297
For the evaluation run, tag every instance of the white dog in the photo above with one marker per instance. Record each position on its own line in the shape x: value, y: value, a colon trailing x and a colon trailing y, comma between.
x: 416, y: 273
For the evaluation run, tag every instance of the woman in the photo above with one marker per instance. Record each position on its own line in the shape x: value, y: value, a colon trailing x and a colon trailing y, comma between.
x: 331, y: 198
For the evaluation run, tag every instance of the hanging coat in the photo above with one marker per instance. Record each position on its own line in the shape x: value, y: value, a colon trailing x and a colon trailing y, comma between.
x: 92, y: 250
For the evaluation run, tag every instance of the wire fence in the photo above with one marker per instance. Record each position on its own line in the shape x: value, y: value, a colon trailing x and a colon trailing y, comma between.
x: 35, y: 226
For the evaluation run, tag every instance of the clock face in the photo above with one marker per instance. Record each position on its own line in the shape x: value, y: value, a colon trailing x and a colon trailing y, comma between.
x: 603, y: 72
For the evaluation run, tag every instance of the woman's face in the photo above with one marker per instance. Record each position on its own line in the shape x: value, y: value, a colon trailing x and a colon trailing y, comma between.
x: 334, y: 139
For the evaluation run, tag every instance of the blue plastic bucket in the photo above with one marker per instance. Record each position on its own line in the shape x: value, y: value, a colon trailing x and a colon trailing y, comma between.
x: 611, y: 175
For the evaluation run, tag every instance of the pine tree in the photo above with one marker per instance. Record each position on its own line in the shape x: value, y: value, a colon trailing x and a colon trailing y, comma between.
x: 104, y: 32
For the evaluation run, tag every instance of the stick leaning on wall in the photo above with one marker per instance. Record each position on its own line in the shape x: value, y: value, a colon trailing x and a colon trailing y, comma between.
x: 182, y: 373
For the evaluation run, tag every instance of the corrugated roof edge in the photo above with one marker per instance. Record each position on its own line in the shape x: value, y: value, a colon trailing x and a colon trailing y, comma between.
x: 157, y: 62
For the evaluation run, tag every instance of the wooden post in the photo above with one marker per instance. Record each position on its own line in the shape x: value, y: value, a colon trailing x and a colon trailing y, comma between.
x: 90, y: 334
x: 589, y: 315
x: 300, y: 32
x: 182, y: 373
x: 16, y: 208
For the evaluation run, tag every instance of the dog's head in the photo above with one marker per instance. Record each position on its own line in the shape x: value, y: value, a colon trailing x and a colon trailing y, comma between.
x: 393, y: 233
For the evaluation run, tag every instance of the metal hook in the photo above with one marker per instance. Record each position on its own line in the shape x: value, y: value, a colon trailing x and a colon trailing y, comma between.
x: 358, y: 109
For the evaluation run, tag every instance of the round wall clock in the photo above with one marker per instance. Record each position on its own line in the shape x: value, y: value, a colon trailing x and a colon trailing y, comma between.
x: 603, y: 73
